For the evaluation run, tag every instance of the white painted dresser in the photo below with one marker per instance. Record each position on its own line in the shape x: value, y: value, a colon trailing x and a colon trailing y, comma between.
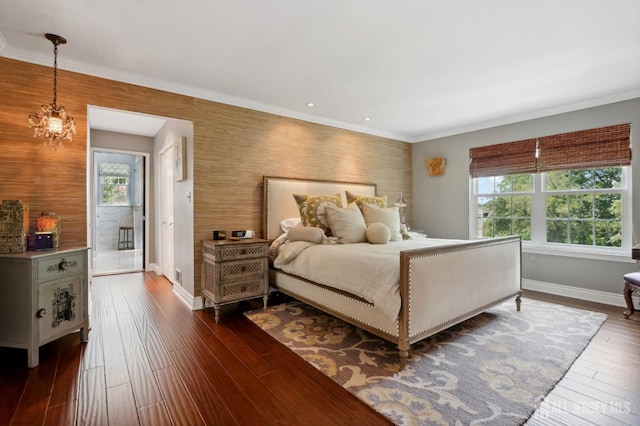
x: 43, y: 296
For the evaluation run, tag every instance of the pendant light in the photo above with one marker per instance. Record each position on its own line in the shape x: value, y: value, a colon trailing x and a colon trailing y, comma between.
x: 53, y: 125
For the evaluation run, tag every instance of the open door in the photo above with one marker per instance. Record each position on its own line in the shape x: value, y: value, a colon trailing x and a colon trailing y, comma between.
x: 118, y: 212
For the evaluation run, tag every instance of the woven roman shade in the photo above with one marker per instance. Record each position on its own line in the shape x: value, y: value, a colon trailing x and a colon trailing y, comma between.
x: 594, y: 148
x: 503, y: 159
x: 585, y: 149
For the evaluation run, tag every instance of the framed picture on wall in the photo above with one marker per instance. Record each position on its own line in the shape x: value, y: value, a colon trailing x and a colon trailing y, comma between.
x: 180, y: 160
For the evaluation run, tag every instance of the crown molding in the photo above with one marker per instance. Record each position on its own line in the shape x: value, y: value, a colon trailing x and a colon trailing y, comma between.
x: 590, y: 103
x: 186, y: 90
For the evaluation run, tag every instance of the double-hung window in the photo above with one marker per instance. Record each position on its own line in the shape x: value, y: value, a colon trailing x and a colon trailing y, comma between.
x: 568, y: 192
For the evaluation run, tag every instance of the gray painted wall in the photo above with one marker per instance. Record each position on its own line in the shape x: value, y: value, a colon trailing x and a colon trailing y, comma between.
x: 441, y: 204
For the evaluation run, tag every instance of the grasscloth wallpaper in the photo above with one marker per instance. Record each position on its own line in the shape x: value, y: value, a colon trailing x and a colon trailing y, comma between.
x: 233, y: 148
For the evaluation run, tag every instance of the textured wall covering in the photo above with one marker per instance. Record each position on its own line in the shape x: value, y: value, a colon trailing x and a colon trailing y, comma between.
x: 233, y: 148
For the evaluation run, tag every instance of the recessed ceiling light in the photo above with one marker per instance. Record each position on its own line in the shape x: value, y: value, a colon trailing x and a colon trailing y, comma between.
x: 367, y: 119
x: 310, y: 104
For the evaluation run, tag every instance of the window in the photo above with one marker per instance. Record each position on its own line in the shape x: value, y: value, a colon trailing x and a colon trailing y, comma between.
x: 114, y: 183
x: 503, y: 206
x: 581, y: 209
x: 585, y: 206
x: 561, y: 192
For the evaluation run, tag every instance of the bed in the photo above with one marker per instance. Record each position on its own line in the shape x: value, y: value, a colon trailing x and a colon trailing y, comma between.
x: 438, y: 283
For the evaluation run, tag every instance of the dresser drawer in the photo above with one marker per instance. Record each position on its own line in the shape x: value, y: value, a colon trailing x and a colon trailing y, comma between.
x: 241, y: 290
x: 60, y: 266
x: 242, y: 269
x: 239, y: 252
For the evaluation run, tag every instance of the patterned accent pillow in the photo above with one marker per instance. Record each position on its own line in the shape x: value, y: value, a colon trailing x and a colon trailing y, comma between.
x: 380, y: 201
x: 312, y: 209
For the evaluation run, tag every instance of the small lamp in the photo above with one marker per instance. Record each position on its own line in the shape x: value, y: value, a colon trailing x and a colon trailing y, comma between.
x: 404, y: 229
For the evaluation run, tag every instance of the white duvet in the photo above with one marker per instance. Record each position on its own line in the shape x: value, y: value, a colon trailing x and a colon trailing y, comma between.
x: 370, y: 271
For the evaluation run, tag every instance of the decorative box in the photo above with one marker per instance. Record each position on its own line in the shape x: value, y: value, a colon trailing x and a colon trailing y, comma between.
x: 14, y: 226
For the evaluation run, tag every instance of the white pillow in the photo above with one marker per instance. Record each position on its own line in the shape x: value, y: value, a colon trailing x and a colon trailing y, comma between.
x: 390, y: 216
x: 378, y: 233
x: 347, y: 224
x: 288, y: 224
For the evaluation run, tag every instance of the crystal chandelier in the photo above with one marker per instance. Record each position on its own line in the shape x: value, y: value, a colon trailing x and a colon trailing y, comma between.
x: 54, y: 125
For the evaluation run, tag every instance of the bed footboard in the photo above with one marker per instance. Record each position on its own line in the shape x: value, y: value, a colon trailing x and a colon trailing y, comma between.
x: 443, y: 286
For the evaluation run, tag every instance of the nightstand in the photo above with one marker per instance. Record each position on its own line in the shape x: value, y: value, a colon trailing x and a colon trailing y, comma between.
x: 234, y: 270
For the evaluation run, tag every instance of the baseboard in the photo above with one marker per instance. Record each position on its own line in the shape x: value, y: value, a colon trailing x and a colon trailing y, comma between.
x: 153, y: 267
x: 194, y: 303
x: 597, y: 296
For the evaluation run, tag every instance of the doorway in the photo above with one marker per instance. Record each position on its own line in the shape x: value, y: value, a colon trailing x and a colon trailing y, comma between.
x: 118, y: 200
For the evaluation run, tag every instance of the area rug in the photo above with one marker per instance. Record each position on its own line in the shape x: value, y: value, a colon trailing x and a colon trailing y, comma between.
x: 495, y: 368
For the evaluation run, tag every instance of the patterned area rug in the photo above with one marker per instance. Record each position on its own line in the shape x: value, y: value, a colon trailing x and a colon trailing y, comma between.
x: 492, y: 369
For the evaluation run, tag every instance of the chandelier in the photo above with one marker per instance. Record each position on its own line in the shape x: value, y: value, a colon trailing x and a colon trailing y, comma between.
x: 53, y: 124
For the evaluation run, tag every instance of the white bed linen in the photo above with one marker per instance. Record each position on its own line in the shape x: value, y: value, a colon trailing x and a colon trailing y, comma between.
x: 369, y: 271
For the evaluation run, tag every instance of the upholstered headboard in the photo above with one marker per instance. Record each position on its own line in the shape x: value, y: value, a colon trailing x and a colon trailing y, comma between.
x: 279, y: 203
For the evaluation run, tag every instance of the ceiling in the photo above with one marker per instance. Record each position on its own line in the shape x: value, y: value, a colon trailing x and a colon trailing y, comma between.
x: 124, y: 122
x: 417, y: 69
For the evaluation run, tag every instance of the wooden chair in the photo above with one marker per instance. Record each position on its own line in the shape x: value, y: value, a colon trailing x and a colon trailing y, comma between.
x: 631, y: 285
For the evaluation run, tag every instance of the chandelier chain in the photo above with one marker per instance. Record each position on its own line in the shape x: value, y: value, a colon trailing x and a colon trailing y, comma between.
x: 55, y: 73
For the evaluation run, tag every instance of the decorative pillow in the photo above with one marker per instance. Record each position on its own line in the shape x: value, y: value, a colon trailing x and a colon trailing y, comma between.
x: 306, y: 233
x: 347, y: 224
x: 378, y: 233
x: 312, y: 209
x: 390, y: 216
x: 359, y: 199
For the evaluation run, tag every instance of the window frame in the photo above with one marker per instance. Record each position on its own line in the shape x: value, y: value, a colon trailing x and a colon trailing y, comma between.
x: 538, y: 243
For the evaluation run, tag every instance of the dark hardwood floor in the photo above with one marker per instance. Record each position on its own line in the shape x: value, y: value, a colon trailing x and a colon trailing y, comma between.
x: 150, y: 360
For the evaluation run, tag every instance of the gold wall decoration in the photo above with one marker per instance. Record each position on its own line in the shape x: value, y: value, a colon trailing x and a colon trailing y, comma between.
x: 435, y: 166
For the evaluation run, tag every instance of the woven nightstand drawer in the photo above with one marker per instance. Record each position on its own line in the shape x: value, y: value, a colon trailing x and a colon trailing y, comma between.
x: 242, y: 290
x: 244, y: 251
x: 242, y: 268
